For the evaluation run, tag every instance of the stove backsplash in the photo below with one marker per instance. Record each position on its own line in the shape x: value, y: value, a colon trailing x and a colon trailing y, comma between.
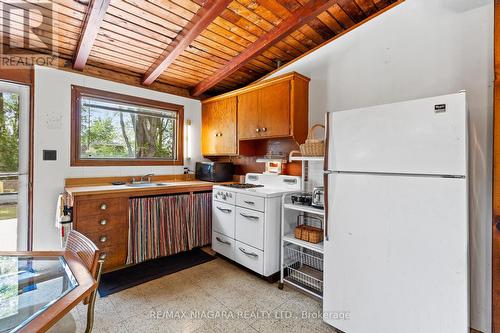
x: 251, y: 150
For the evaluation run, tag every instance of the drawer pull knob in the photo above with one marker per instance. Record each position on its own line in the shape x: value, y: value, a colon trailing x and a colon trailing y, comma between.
x: 249, y: 202
x: 104, y: 206
x: 224, y: 210
x: 257, y: 130
x: 250, y: 217
x: 103, y: 239
x: 222, y: 241
x: 251, y: 254
x: 264, y: 129
x: 103, y: 256
x: 103, y: 222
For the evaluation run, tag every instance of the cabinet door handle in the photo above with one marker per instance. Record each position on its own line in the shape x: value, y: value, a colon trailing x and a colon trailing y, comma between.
x: 251, y: 254
x: 250, y: 217
x: 249, y: 202
x: 257, y: 130
x: 264, y: 129
x: 220, y: 134
x: 103, y: 255
x: 224, y: 210
x: 104, y: 206
x: 222, y: 241
x: 103, y: 239
x: 103, y: 222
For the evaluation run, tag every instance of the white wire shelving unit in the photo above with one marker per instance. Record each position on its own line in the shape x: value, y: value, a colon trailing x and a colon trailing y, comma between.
x: 301, y: 261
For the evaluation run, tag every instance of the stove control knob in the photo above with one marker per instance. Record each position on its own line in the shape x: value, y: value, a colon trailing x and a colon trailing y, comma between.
x: 224, y: 196
x: 230, y: 195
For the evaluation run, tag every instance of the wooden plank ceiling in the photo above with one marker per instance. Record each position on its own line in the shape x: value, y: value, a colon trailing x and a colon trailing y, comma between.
x: 198, y: 46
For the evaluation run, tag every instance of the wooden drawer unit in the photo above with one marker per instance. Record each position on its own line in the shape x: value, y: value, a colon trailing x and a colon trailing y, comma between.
x: 105, y: 222
x: 114, y: 256
x: 100, y: 207
x: 108, y: 238
x: 102, y: 223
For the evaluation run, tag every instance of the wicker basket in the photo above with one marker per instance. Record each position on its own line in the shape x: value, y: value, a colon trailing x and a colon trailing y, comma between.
x: 306, y: 232
x: 309, y: 234
x: 313, y: 146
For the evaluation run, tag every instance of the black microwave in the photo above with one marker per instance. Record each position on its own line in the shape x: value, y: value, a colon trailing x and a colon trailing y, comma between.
x: 215, y: 171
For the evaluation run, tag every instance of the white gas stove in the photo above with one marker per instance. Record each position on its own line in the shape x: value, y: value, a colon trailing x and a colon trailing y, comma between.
x: 246, y: 220
x: 260, y: 185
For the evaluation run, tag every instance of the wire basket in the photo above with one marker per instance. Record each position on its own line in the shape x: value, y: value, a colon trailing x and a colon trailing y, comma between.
x: 305, y: 268
x: 304, y: 257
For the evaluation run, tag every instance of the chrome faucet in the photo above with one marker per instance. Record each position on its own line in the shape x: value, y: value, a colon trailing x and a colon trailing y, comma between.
x: 148, y: 177
x: 143, y: 179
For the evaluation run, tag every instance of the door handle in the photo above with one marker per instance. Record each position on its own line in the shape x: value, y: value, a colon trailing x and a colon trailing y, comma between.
x: 249, y: 216
x: 497, y: 222
x: 252, y: 254
x: 224, y: 210
x: 325, y: 174
x: 222, y: 241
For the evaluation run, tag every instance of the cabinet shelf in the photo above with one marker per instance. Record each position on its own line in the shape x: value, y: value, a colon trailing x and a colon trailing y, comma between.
x: 307, y: 158
x: 290, y: 238
x: 305, y: 209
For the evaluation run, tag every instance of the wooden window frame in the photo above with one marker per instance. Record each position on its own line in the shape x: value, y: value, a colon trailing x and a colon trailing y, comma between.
x: 77, y: 92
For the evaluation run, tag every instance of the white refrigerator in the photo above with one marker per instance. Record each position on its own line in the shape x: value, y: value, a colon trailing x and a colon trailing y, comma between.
x: 396, y: 231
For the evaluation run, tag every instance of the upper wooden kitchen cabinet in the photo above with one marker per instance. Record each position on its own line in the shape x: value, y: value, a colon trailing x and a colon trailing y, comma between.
x: 275, y: 108
x: 219, y: 127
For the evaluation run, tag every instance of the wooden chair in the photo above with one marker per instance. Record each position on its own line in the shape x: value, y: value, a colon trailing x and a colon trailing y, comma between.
x: 90, y: 256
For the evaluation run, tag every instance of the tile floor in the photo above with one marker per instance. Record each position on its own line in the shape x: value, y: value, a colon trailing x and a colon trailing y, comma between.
x: 225, y: 298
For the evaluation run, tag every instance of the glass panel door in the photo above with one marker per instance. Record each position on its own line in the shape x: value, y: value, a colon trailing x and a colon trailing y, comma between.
x: 14, y: 166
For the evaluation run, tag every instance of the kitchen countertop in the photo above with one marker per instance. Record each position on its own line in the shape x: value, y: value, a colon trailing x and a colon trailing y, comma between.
x: 170, y: 187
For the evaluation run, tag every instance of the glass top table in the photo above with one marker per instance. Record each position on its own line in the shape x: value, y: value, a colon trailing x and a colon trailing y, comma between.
x: 29, y: 285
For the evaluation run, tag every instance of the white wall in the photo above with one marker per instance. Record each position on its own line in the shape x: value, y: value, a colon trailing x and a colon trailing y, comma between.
x: 52, y: 131
x: 419, y: 49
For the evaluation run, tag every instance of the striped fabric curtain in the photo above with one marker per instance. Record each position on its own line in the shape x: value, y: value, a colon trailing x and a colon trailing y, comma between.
x: 200, y: 222
x: 166, y: 225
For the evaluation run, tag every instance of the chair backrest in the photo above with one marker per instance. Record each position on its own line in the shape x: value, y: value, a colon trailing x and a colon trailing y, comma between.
x: 85, y: 249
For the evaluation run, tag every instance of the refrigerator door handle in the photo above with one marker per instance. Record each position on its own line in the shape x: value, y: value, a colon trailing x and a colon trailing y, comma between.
x: 327, y: 142
x: 326, y: 171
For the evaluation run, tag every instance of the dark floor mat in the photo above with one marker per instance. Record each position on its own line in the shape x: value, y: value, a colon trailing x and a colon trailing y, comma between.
x: 129, y: 277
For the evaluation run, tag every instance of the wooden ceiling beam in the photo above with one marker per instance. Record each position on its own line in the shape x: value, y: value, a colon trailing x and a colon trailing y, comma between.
x: 297, y: 19
x: 91, y: 25
x: 205, y: 15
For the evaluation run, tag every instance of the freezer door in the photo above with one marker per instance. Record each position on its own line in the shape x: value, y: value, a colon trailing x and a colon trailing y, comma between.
x: 426, y: 136
x: 396, y: 258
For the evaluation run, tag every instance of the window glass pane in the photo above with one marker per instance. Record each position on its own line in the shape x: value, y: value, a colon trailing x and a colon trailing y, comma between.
x: 9, y: 132
x: 111, y: 130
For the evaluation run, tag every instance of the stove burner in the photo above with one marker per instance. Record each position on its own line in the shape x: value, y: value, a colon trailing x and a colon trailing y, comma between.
x: 243, y: 186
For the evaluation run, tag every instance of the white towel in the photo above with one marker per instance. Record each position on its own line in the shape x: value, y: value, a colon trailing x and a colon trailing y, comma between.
x: 64, y: 228
x: 59, y: 210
